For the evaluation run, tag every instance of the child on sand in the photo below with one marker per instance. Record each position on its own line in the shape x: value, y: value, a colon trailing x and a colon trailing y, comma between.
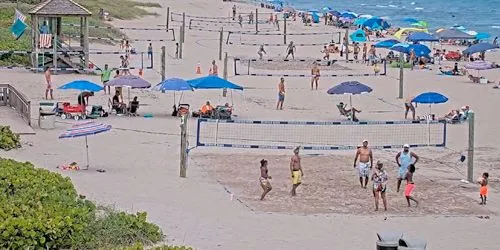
x: 410, y: 185
x: 483, y: 191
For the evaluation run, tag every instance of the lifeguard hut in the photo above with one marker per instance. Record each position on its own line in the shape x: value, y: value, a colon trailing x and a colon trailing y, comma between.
x: 49, y: 46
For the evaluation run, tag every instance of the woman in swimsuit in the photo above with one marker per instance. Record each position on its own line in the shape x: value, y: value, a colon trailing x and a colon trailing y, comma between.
x: 379, y: 178
x: 264, y: 179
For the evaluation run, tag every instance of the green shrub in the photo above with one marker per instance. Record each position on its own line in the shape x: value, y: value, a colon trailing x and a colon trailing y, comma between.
x: 8, y: 139
x: 39, y: 208
x: 42, y: 210
x: 139, y: 246
x: 117, y: 229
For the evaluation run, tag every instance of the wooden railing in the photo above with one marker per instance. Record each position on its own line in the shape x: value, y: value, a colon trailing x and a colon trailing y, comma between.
x: 11, y: 97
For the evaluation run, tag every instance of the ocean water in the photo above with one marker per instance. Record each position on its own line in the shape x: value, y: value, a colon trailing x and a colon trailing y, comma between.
x: 477, y: 15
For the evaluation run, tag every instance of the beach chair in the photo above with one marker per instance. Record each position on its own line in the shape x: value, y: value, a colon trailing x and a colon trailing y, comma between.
x: 223, y: 113
x: 343, y: 112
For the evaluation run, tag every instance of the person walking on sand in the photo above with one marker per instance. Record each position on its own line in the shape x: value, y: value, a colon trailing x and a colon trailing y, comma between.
x: 410, y: 185
x: 315, y: 75
x: 150, y: 54
x: 404, y: 160
x: 250, y: 18
x: 365, y: 155
x: 264, y: 179
x: 365, y: 51
x: 290, y: 50
x: 240, y: 20
x: 483, y: 191
x: 214, y: 69
x: 296, y: 171
x: 105, y: 76
x: 281, y: 94
x: 48, y: 81
x: 379, y: 178
x: 356, y: 51
x: 234, y: 12
x: 409, y: 106
x: 261, y: 52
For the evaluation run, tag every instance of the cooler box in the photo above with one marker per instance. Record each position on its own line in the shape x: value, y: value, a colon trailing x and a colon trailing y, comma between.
x: 48, y: 106
x: 46, y: 119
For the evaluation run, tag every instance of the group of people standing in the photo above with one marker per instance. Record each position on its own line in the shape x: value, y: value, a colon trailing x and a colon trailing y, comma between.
x: 363, y: 162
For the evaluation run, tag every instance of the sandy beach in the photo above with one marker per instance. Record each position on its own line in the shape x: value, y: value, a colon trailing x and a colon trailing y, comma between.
x: 217, y: 206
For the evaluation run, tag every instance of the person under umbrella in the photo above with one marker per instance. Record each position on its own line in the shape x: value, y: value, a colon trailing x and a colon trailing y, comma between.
x: 83, y: 98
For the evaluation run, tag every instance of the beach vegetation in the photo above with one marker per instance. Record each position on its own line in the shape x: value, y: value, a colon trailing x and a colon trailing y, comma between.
x: 8, y: 139
x: 40, y: 209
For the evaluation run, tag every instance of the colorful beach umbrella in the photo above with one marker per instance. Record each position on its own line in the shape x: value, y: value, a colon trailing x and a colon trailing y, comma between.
x: 403, y: 31
x: 82, y: 85
x: 480, y: 47
x: 85, y: 129
x: 479, y: 65
x: 213, y: 82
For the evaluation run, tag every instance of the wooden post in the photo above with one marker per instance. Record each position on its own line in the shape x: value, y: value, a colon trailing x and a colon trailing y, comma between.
x: 224, y: 74
x: 181, y: 42
x: 257, y: 20
x: 346, y: 44
x: 284, y: 30
x: 35, y: 36
x: 221, y: 38
x: 168, y: 19
x: 163, y: 63
x: 53, y: 21
x: 183, y: 165
x: 470, y: 150
x: 183, y: 26
x: 86, y: 43
x: 401, y: 67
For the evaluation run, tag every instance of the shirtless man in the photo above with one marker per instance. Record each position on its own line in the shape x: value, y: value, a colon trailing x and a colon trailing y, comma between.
x: 264, y: 179
x: 214, y: 70
x: 48, y: 80
x: 261, y: 52
x: 365, y: 51
x: 364, y: 154
x: 326, y: 52
x: 409, y: 106
x: 315, y: 75
x: 281, y: 94
x: 296, y: 171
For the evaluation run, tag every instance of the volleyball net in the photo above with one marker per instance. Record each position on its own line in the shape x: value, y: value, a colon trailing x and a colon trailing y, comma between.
x: 281, y: 67
x: 275, y: 38
x: 314, y: 135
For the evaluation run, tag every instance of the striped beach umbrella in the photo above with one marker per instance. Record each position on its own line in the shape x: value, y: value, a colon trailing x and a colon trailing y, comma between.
x: 85, y: 129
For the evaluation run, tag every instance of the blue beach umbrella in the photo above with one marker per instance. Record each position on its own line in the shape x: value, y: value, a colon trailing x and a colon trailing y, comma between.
x: 85, y: 129
x: 82, y: 85
x: 349, y: 15
x: 421, y: 37
x: 212, y: 82
x: 334, y: 13
x: 386, y: 43
x: 326, y: 9
x: 376, y: 23
x: 430, y: 98
x: 350, y: 88
x: 173, y: 84
x: 359, y: 21
x: 481, y: 36
x: 419, y: 49
x: 480, y: 47
x: 401, y: 47
x: 410, y: 20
